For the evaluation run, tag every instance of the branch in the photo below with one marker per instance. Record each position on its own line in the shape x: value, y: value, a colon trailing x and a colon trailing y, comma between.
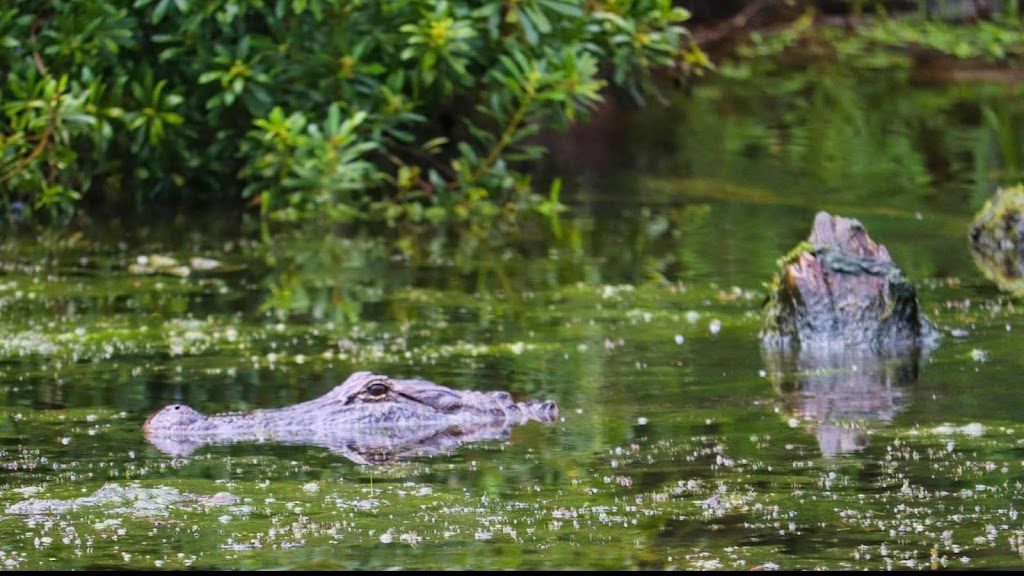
x: 43, y: 141
x: 734, y: 24
x: 35, y: 53
x: 506, y: 136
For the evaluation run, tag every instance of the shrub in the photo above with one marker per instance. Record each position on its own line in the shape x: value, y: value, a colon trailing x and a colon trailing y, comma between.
x: 346, y: 109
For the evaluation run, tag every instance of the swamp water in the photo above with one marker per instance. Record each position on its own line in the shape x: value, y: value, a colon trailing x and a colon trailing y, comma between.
x: 681, y: 443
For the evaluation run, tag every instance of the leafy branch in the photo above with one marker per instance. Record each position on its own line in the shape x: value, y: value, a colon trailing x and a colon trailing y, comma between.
x: 44, y: 140
x: 314, y: 108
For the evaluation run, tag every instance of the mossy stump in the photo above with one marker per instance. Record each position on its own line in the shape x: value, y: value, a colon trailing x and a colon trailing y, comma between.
x: 840, y: 288
x: 996, y: 235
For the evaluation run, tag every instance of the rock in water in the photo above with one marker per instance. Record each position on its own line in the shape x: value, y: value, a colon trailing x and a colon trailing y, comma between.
x: 996, y: 235
x: 841, y: 288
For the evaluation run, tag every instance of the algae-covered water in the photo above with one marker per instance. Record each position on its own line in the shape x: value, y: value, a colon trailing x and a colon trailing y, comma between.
x: 681, y: 443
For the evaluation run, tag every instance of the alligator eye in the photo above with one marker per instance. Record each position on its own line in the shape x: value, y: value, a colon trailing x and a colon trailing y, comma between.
x: 377, y: 389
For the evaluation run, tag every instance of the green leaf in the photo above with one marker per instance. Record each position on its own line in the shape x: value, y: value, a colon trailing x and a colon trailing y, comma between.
x: 159, y: 11
x: 173, y: 118
x: 211, y: 76
x: 137, y: 122
x: 467, y: 152
x: 528, y: 26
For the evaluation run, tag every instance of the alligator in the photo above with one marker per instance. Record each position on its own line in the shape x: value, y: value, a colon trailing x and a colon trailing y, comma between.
x: 369, y: 418
x: 841, y: 288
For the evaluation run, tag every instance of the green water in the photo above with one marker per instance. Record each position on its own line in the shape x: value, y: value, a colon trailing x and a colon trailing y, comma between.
x: 681, y: 443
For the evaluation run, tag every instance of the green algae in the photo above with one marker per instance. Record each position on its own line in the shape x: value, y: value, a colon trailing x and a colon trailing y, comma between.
x: 671, y: 453
x: 266, y: 510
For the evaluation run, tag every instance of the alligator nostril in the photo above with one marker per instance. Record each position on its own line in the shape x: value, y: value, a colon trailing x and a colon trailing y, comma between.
x: 549, y: 409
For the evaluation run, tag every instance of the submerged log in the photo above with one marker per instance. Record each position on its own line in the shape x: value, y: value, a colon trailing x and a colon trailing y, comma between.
x: 996, y: 236
x: 841, y: 288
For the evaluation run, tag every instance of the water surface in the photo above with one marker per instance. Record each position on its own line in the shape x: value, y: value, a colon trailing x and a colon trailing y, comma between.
x: 682, y: 444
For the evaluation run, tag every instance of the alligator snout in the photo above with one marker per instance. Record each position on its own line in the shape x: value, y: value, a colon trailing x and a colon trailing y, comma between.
x: 546, y: 411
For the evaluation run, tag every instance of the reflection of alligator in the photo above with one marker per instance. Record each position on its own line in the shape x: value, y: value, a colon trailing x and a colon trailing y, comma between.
x: 369, y: 418
x: 996, y: 237
x: 840, y: 287
x: 837, y: 391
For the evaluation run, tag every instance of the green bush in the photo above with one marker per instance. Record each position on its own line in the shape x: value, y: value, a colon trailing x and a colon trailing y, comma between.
x: 347, y: 109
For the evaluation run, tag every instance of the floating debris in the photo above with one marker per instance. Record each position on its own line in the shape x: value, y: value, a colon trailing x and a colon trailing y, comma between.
x: 159, y: 264
x: 974, y: 429
x: 117, y: 499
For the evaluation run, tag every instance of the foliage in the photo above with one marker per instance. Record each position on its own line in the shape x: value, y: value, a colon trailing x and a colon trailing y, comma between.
x: 881, y: 35
x: 1000, y: 40
x: 412, y: 109
x: 845, y: 132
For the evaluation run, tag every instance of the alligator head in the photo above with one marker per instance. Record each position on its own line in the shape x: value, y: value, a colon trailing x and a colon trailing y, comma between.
x: 368, y: 418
